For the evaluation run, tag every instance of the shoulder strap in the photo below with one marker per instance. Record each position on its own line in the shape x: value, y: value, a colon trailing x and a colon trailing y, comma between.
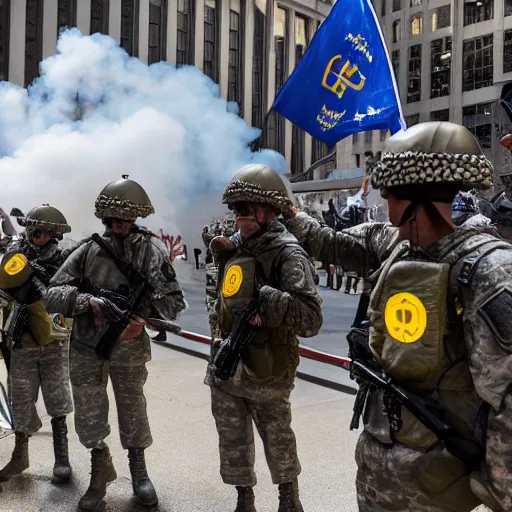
x: 123, y: 266
x: 470, y: 263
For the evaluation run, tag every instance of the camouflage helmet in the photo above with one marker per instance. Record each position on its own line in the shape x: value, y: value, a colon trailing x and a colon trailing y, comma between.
x: 258, y: 183
x: 123, y: 199
x: 45, y: 217
x: 433, y: 152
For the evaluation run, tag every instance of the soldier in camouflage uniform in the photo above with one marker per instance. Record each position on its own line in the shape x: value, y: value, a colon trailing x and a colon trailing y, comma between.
x: 74, y: 291
x: 42, y: 361
x: 265, y: 261
x: 440, y: 325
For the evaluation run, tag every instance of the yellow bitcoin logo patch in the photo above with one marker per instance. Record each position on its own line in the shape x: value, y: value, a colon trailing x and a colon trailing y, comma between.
x: 233, y: 279
x: 405, y: 317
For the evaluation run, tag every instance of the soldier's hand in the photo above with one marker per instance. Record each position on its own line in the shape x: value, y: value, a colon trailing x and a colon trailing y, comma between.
x: 256, y: 320
x: 97, y: 307
x: 133, y: 330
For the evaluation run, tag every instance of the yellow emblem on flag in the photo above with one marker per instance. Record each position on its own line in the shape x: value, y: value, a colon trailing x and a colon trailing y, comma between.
x: 405, y: 317
x: 233, y: 280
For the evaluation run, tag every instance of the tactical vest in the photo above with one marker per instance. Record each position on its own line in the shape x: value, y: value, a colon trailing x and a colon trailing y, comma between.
x: 417, y: 336
x: 242, y: 277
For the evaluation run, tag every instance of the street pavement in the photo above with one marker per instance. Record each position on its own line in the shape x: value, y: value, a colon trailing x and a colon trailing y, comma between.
x: 183, y: 462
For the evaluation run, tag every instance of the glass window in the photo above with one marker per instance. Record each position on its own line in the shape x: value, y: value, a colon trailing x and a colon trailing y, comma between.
x: 441, y: 17
x: 258, y: 64
x: 211, y: 39
x: 185, y: 33
x: 396, y: 31
x: 440, y: 115
x: 416, y: 25
x: 236, y: 52
x: 412, y: 120
x: 477, y: 58
x: 414, y: 74
x: 130, y: 27
x: 157, y: 36
x: 99, y: 16
x: 475, y: 12
x: 33, y: 39
x: 507, y: 51
x: 368, y: 137
x: 4, y: 39
x: 440, y: 67
x: 397, y: 5
x: 508, y: 7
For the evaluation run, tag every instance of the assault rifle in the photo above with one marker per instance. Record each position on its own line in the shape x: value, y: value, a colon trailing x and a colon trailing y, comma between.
x: 230, y: 351
x: 367, y: 371
x: 119, y: 308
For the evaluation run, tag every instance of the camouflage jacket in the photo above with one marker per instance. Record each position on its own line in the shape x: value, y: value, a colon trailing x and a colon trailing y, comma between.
x: 89, y: 268
x: 486, y: 320
x: 291, y: 305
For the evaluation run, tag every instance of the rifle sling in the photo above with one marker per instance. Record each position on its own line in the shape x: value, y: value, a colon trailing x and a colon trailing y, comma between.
x: 118, y: 261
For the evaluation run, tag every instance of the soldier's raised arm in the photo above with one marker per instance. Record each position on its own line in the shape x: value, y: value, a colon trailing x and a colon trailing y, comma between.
x: 63, y: 295
x: 297, y: 303
x: 488, y: 335
x: 359, y: 249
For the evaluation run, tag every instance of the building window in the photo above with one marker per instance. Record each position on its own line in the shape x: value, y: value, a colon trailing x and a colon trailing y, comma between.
x: 441, y: 17
x: 358, y: 160
x: 412, y: 120
x: 396, y: 31
x: 475, y: 12
x: 236, y: 53
x: 99, y: 16
x: 507, y: 51
x: 4, y: 39
x: 355, y: 137
x: 368, y: 137
x: 416, y: 25
x: 414, y: 75
x: 395, y: 61
x: 298, y: 136
x: 477, y: 63
x: 258, y: 66
x: 66, y: 14
x: 508, y: 7
x: 185, y: 35
x: 383, y: 8
x: 319, y: 150
x: 277, y: 124
x: 130, y: 27
x: 33, y: 39
x: 397, y: 5
x: 415, y: 3
x: 478, y: 120
x: 211, y: 39
x: 384, y: 134
x: 440, y: 115
x: 157, y: 36
x: 440, y: 65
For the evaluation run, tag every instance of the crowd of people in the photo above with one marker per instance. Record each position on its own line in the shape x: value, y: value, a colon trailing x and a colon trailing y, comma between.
x: 436, y: 328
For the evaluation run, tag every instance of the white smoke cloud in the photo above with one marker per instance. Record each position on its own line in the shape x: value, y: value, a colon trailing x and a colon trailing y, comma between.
x: 167, y: 128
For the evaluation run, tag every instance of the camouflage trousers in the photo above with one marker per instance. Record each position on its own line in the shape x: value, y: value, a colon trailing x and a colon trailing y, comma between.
x: 394, y: 478
x: 39, y: 367
x: 235, y: 405
x: 128, y: 373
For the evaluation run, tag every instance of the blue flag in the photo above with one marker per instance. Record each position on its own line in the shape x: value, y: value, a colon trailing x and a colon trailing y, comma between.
x: 344, y: 83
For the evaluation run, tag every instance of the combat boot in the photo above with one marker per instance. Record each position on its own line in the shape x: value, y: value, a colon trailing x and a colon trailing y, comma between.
x: 102, y: 473
x: 19, y: 460
x: 61, y: 468
x: 289, y: 497
x: 245, y: 501
x: 142, y: 486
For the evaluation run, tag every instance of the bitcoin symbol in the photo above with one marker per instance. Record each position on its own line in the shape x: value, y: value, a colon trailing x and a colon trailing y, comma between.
x: 232, y: 281
x: 405, y: 317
